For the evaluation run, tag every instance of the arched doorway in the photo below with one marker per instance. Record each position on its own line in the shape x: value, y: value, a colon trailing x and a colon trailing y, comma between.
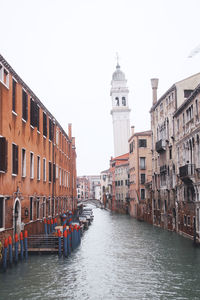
x: 17, y: 216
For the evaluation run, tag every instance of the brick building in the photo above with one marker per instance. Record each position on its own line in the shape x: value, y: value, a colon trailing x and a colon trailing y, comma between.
x: 37, y: 159
x: 83, y: 188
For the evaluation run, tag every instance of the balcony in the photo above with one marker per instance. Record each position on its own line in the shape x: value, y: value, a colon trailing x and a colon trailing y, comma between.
x: 187, y: 171
x: 160, y: 146
x: 163, y: 169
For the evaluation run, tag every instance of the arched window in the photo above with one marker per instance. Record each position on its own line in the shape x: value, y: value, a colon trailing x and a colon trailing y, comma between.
x: 117, y: 101
x: 124, y: 101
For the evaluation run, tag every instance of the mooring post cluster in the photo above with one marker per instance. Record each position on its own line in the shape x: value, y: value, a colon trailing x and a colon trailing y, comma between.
x: 11, y: 252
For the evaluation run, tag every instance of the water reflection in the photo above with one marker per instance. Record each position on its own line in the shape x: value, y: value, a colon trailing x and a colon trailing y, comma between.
x: 119, y: 258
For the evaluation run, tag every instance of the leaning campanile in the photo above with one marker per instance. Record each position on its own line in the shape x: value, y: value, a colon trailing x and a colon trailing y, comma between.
x: 120, y: 112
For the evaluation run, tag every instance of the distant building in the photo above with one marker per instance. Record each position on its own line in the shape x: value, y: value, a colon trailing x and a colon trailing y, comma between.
x: 88, y: 187
x: 37, y: 159
x: 120, y: 112
x: 140, y: 169
x: 83, y: 188
x: 95, y: 186
x: 119, y: 170
x: 106, y: 187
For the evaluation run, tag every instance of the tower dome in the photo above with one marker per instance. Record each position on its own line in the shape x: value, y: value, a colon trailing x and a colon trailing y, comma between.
x: 118, y: 75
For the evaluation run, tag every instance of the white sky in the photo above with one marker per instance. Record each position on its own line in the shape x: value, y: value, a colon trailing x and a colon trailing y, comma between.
x: 65, y: 51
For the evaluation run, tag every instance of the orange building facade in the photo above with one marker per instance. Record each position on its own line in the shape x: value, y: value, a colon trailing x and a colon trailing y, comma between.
x: 140, y: 168
x: 37, y: 159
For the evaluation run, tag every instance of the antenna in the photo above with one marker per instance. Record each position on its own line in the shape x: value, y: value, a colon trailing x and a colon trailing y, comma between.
x: 195, y: 51
x: 117, y: 58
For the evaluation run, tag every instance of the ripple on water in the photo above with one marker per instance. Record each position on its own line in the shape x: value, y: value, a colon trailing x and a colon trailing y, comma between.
x: 119, y: 258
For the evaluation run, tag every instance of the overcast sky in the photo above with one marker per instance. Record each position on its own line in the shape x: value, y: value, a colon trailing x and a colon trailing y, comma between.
x: 65, y: 51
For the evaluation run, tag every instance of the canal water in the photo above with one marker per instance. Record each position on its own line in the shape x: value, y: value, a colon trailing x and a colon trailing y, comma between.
x: 119, y: 258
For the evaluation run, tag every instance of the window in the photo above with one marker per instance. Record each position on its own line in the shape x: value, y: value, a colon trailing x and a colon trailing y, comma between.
x: 197, y: 109
x: 188, y: 221
x: 187, y: 93
x: 50, y: 130
x: 14, y: 159
x: 124, y: 101
x: 31, y: 208
x: 49, y: 207
x: 142, y: 143
x: 54, y: 173
x: 178, y: 125
x: 170, y: 152
x: 142, y: 178
x: 44, y: 207
x: 2, y: 214
x: 142, y: 194
x: 38, y: 208
x: 31, y: 165
x: 3, y: 154
x: 121, y: 182
x: 131, y: 147
x: 24, y: 106
x: 44, y: 124
x: 6, y: 77
x: 57, y: 171
x: 185, y: 220
x: 117, y: 101
x: 23, y: 163
x: 44, y: 169
x: 183, y: 119
x: 60, y: 177
x: 38, y: 168
x: 142, y: 163
x: 14, y: 95
x: 57, y: 137
x: 50, y: 172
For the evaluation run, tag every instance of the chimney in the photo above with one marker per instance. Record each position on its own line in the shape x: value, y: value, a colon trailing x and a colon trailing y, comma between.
x: 132, y: 130
x: 154, y: 85
x: 70, y: 130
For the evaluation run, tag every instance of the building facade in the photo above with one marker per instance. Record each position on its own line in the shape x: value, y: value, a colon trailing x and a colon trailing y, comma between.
x: 120, y: 112
x: 140, y: 168
x: 83, y: 188
x: 119, y: 172
x: 164, y: 162
x: 187, y: 133
x: 37, y: 159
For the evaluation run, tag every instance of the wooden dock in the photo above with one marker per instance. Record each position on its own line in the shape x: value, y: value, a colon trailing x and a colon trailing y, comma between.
x: 43, y: 244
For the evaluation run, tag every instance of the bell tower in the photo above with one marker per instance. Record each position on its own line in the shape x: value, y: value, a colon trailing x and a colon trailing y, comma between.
x: 120, y: 112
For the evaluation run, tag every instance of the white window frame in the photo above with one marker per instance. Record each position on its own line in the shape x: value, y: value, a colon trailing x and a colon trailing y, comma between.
x: 23, y: 163
x: 2, y: 70
x: 60, y: 176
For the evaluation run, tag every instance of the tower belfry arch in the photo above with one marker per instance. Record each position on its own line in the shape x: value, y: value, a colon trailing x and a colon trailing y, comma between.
x: 120, y: 111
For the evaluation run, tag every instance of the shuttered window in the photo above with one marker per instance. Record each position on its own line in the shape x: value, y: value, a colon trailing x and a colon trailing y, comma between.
x: 24, y: 105
x: 34, y: 114
x: 14, y: 159
x: 50, y: 172
x: 14, y: 95
x: 3, y: 154
x: 50, y: 129
x: 1, y: 212
x: 44, y: 124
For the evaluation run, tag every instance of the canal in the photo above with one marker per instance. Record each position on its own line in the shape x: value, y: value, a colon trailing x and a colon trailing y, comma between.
x: 119, y: 258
